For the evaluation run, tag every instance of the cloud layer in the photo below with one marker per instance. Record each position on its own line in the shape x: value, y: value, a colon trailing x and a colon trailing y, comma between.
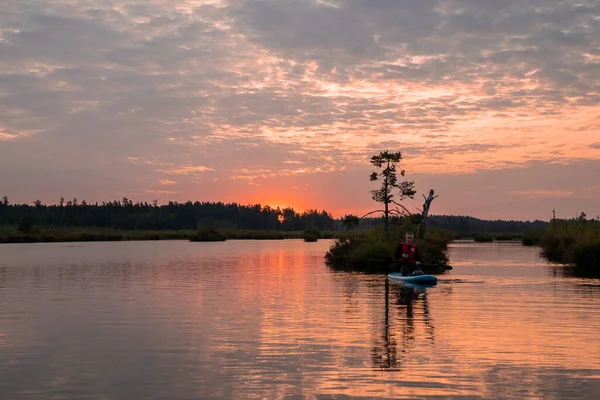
x: 225, y: 98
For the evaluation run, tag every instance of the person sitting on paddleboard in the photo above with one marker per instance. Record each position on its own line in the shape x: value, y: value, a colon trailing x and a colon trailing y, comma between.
x: 407, y: 255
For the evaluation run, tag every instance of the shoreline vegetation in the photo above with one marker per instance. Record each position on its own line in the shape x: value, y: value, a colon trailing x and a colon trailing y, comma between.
x: 12, y: 234
x: 206, y: 234
x: 575, y: 242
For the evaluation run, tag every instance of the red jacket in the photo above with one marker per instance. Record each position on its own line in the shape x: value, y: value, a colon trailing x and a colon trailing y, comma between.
x: 413, y: 254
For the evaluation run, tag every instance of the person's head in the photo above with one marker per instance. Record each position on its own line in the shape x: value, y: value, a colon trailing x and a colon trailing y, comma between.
x: 409, y: 238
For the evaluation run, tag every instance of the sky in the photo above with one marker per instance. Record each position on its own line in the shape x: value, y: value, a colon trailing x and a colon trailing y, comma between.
x: 494, y: 104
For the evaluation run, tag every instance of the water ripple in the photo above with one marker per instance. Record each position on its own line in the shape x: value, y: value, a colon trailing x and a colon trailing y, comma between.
x: 267, y: 319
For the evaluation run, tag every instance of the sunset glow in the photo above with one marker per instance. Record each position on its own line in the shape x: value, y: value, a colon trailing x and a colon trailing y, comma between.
x: 494, y: 105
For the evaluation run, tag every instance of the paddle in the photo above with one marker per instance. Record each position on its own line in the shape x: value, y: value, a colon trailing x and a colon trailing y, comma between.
x: 446, y: 267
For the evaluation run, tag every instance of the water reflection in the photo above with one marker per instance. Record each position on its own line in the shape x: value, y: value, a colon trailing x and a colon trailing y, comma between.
x: 571, y: 271
x: 412, y: 306
x: 507, y: 259
x: 269, y: 320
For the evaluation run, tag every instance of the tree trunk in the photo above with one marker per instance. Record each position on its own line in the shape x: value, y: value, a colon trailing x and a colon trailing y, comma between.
x: 386, y: 201
x: 425, y: 214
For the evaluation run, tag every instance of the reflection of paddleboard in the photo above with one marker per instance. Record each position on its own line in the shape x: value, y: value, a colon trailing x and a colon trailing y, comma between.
x: 418, y: 279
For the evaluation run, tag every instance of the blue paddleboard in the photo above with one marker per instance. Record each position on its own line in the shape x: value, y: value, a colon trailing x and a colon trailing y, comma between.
x: 417, y: 279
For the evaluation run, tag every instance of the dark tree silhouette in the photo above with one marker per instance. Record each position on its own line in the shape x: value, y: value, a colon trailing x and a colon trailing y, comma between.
x: 126, y: 214
x: 387, y: 163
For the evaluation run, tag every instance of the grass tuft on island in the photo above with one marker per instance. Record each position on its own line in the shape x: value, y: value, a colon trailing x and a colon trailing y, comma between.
x: 312, y: 235
x: 208, y: 234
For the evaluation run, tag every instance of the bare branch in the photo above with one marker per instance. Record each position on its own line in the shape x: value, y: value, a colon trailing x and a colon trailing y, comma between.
x: 372, y: 212
x: 400, y: 205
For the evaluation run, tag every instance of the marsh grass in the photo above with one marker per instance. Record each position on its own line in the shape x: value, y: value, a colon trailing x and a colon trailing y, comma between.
x: 573, y: 242
x: 11, y: 234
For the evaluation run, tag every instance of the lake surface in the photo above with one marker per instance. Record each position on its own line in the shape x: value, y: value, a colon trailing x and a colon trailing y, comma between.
x: 268, y: 319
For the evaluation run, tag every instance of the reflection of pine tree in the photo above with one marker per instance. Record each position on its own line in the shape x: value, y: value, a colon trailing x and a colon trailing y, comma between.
x: 385, y: 353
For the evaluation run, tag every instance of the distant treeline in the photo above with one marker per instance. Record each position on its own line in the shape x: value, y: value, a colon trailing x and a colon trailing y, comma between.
x: 469, y: 226
x: 127, y: 215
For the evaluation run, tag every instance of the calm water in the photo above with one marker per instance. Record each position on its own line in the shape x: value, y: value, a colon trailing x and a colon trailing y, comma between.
x: 267, y: 319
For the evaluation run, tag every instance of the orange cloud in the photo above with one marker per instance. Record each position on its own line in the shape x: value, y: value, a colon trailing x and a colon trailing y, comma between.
x: 541, y: 193
x: 187, y: 169
x: 160, y: 192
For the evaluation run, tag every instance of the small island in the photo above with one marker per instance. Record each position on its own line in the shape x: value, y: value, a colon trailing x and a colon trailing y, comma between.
x: 372, y: 250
